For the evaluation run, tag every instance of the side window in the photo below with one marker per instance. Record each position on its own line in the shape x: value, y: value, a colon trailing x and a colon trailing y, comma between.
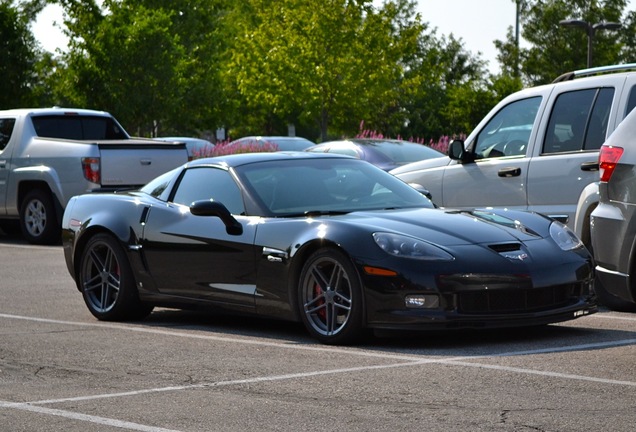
x: 204, y: 183
x: 597, y: 125
x: 578, y: 121
x: 631, y: 102
x: 508, y: 132
x: 6, y: 129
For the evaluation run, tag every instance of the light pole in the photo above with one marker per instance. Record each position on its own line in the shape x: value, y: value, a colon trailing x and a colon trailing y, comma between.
x: 590, y: 29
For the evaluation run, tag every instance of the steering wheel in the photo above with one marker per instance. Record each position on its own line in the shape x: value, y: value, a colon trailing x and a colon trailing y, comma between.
x: 515, y: 148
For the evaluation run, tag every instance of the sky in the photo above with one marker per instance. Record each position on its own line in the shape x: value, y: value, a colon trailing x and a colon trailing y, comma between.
x: 477, y: 22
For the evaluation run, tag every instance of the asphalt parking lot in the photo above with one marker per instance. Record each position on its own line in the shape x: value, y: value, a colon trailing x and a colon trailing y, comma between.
x: 62, y: 370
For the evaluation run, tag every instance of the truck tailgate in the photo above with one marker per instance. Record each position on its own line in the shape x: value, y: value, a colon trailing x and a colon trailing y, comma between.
x: 135, y: 163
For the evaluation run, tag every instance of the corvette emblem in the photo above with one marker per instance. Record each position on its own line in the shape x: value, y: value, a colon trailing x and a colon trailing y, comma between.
x: 515, y: 256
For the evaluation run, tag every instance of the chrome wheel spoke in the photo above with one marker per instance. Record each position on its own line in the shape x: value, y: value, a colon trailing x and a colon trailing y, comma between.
x: 93, y: 283
x: 102, y: 279
x: 315, y: 304
x: 327, y: 296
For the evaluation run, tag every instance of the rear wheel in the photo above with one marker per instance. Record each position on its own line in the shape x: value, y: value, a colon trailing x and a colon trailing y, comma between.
x: 107, y: 282
x: 38, y: 219
x: 330, y: 298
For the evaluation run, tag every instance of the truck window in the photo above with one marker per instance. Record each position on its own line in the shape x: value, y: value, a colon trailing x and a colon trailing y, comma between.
x: 508, y: 132
x: 6, y: 129
x: 78, y: 127
x: 578, y: 121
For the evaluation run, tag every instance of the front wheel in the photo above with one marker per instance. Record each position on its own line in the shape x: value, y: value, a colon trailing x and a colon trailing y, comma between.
x: 107, y: 282
x: 330, y: 298
x: 38, y: 219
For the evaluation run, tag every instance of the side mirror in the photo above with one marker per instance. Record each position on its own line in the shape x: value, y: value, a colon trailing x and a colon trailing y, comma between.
x: 421, y: 189
x: 216, y: 209
x: 456, y: 152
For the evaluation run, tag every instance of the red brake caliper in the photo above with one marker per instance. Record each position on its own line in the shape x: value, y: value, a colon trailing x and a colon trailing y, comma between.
x: 322, y: 313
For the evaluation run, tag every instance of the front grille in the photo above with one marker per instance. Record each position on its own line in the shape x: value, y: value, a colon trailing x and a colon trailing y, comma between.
x: 516, y: 300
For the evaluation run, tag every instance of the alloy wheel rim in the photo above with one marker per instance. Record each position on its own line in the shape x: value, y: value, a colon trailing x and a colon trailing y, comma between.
x: 327, y: 297
x: 35, y: 218
x: 101, y: 278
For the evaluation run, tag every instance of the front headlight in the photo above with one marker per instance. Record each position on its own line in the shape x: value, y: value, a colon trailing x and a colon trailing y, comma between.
x: 410, y: 247
x: 564, y: 237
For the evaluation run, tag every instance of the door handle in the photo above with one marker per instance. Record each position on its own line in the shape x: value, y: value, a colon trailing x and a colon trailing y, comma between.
x: 589, y: 166
x: 509, y: 172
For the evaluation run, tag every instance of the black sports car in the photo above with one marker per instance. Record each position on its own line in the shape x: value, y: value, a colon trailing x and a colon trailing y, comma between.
x: 328, y: 240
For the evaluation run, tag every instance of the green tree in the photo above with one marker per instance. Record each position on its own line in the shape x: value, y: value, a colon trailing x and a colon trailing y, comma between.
x: 19, y: 57
x: 451, y: 93
x: 331, y: 62
x: 554, y: 49
x: 151, y: 63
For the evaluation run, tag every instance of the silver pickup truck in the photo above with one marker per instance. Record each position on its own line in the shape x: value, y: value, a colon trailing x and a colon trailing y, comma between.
x: 49, y: 155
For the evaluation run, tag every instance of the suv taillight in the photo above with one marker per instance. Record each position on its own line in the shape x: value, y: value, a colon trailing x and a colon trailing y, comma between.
x: 91, y: 169
x: 607, y: 160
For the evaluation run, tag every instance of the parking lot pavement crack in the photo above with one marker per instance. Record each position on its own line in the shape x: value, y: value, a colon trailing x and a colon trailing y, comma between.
x: 503, y: 416
x: 536, y: 428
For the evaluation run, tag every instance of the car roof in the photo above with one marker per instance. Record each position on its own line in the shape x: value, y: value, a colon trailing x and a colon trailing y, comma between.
x: 238, y: 159
x: 54, y: 111
x: 619, y: 69
x: 368, y: 141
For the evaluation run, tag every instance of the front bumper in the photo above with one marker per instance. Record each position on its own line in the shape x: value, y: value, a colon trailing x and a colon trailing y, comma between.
x: 481, y: 301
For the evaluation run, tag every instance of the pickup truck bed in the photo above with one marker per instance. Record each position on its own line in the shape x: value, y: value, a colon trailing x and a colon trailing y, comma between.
x: 49, y: 155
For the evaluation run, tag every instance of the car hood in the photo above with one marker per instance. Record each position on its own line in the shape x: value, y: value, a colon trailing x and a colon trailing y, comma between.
x: 456, y: 227
x: 421, y: 165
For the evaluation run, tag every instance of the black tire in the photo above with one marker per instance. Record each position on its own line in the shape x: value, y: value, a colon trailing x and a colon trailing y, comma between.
x: 38, y: 219
x: 330, y: 298
x: 107, y: 283
x: 610, y: 300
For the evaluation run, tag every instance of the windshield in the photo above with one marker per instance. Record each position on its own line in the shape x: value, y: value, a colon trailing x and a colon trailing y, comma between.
x: 315, y: 186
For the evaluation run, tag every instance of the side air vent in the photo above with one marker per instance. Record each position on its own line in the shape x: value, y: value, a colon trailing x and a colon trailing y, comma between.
x: 505, y: 247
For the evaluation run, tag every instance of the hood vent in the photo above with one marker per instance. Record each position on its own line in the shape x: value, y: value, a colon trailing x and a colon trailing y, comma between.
x: 505, y: 247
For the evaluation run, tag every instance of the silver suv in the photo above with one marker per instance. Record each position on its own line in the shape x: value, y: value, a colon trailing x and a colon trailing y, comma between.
x: 614, y: 220
x: 536, y: 150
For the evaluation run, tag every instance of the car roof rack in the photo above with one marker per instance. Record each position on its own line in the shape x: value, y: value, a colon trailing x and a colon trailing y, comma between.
x: 568, y: 76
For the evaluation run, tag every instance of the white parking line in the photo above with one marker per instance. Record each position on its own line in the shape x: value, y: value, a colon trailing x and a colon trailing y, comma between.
x: 84, y: 417
x: 406, y: 361
x: 136, y: 328
x: 544, y: 373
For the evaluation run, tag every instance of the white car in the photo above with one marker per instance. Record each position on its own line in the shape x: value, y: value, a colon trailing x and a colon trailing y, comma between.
x: 536, y: 150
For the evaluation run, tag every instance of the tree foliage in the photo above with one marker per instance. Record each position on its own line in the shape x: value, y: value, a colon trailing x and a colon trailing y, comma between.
x: 553, y: 49
x: 149, y: 62
x: 326, y: 62
x: 19, y: 57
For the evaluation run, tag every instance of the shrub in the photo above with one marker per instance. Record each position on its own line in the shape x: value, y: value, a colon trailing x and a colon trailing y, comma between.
x: 441, y: 144
x: 223, y: 148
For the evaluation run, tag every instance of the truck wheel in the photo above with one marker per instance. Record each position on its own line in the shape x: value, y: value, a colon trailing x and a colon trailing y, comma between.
x: 38, y: 220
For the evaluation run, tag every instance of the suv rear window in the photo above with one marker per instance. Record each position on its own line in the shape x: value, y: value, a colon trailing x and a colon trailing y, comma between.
x: 78, y: 127
x: 579, y: 120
